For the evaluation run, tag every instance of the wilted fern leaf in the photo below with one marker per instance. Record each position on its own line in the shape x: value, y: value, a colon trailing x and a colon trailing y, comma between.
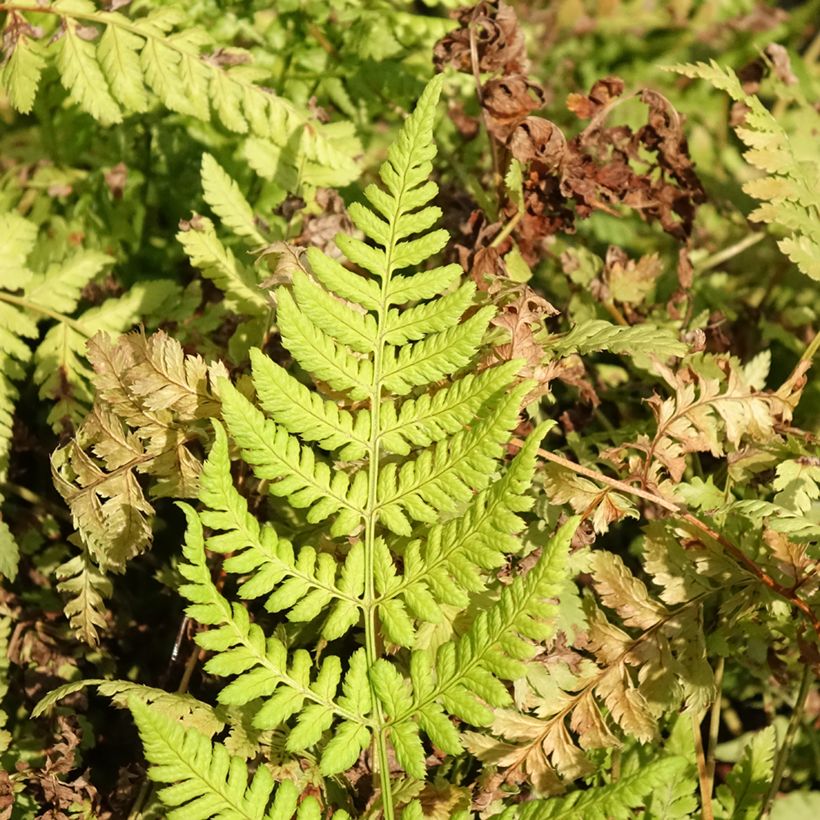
x: 150, y: 410
x: 30, y: 298
x: 615, y: 801
x: 788, y: 192
x: 644, y: 661
x: 204, y: 780
x: 113, y: 66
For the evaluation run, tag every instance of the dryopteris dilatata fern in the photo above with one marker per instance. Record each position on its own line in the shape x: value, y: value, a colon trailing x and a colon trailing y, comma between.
x: 39, y: 285
x: 399, y: 452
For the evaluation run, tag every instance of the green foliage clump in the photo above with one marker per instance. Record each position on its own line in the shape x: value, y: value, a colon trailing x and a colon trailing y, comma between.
x: 455, y: 466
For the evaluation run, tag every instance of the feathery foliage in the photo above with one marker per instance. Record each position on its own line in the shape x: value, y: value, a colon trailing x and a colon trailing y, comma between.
x: 512, y: 518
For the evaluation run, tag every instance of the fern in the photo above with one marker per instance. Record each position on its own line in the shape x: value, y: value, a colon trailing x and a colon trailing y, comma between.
x: 148, y: 414
x: 615, y: 800
x: 422, y: 537
x: 208, y: 782
x: 788, y: 191
x: 52, y: 292
x: 113, y: 66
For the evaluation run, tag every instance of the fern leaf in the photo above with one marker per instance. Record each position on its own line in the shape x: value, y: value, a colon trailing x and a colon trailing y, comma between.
x: 205, y: 780
x: 60, y: 287
x: 452, y: 559
x: 9, y: 552
x: 595, y: 334
x: 20, y: 75
x: 319, y: 353
x: 227, y: 201
x: 468, y: 671
x: 788, y: 192
x: 17, y: 238
x: 441, y: 477
x: 118, y: 53
x: 311, y: 586
x: 260, y: 667
x: 344, y: 283
x: 305, y: 413
x: 430, y: 317
x: 217, y: 263
x: 355, y: 329
x: 429, y: 418
x: 437, y: 356
x: 86, y: 587
x: 82, y: 76
x: 615, y: 801
x: 748, y: 782
x: 292, y: 467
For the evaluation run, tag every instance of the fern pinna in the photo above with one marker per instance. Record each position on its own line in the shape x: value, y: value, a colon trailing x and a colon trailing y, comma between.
x: 398, y: 457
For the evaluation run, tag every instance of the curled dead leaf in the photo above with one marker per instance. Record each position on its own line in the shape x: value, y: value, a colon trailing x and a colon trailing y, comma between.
x: 538, y: 140
x: 497, y: 38
x: 507, y: 101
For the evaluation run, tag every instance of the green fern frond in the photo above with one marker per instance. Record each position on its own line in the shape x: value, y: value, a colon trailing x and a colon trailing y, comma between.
x: 454, y: 558
x: 206, y: 781
x: 446, y: 514
x: 788, y: 192
x: 469, y: 671
x: 260, y: 666
x: 748, y: 782
x: 292, y: 467
x: 615, y: 801
x: 641, y: 340
x: 218, y: 263
x: 306, y: 583
x: 226, y: 200
x: 306, y: 414
x: 113, y: 66
x: 182, y: 708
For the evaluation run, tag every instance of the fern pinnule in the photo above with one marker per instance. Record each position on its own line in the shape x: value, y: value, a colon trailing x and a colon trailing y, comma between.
x: 207, y: 781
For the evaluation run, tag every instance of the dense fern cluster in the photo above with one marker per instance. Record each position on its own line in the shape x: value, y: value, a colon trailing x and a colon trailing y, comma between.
x: 527, y: 534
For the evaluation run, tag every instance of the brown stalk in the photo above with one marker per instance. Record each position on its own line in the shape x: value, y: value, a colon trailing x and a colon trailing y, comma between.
x: 735, y: 552
x: 479, y: 90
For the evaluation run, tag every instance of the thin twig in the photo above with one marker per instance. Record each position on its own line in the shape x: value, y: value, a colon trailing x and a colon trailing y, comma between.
x: 479, y: 89
x: 725, y: 254
x: 707, y: 813
x: 788, y: 741
x: 714, y: 725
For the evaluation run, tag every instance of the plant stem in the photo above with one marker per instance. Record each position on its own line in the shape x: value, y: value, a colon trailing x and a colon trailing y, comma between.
x: 788, y: 740
x: 725, y: 254
x: 748, y: 564
x: 507, y: 229
x: 707, y: 813
x: 714, y: 725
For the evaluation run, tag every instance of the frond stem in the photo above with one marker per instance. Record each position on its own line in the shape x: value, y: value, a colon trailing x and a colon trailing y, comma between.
x: 735, y: 552
x: 714, y: 724
x: 788, y: 741
x: 27, y: 304
x: 707, y: 812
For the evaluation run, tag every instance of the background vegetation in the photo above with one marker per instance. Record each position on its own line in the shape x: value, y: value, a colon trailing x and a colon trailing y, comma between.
x: 632, y: 186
